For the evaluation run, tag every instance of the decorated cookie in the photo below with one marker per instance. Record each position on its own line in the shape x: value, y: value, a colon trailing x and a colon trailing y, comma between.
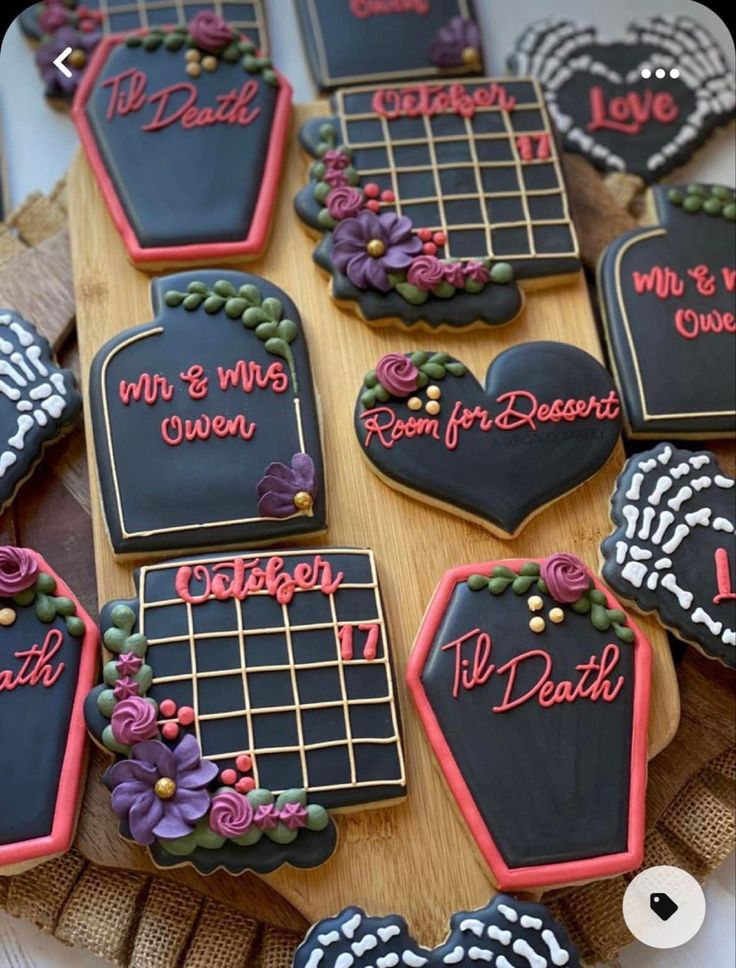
x: 189, y: 100
x: 205, y: 420
x: 434, y: 198
x: 369, y: 41
x: 546, y: 420
x: 48, y: 652
x: 508, y: 932
x: 533, y: 686
x: 667, y: 294
x: 38, y: 401
x: 642, y: 104
x: 267, y: 675
x: 673, y: 550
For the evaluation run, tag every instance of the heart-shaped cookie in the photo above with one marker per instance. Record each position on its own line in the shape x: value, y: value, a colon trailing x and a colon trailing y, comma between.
x: 547, y: 419
x: 507, y: 932
x: 642, y: 104
x: 673, y: 551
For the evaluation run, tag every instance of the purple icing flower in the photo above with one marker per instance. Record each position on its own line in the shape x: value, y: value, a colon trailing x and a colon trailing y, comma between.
x: 294, y: 816
x: 129, y: 664
x: 457, y: 44
x: 335, y: 159
x: 366, y: 248
x: 53, y: 16
x: 18, y: 570
x: 397, y: 374
x: 231, y: 814
x: 209, y: 31
x: 284, y: 491
x: 133, y: 720
x: 57, y: 84
x: 344, y: 202
x: 477, y: 272
x: 454, y: 274
x: 161, y: 792
x: 267, y: 817
x: 124, y: 688
x: 336, y: 178
x: 426, y: 272
x: 566, y: 577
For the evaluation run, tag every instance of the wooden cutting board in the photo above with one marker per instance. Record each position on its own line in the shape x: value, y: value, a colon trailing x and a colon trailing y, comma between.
x: 417, y: 858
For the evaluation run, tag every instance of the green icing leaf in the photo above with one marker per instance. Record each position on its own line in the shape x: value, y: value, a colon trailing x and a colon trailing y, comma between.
x: 419, y: 357
x: 444, y: 290
x: 497, y: 585
x: 253, y: 316
x: 45, y: 608
x: 523, y: 583
x: 250, y: 293
x: 582, y: 605
x: 597, y: 596
x: 623, y: 632
x: 370, y: 379
x: 273, y: 308
x: 455, y: 368
x: 477, y: 583
x: 288, y: 330
x: 173, y: 298
x: 198, y: 287
x: 439, y: 358
x: 530, y: 568
x: 46, y: 583
x: 434, y: 370
x: 224, y: 288
x: 317, y: 817
x: 235, y: 307
x: 412, y: 295
x: 106, y: 702
x: 599, y: 618
x: 473, y: 287
x: 266, y: 330
x: 504, y: 571
x: 193, y: 301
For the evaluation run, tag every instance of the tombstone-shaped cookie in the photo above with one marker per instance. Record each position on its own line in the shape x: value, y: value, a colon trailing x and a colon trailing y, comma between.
x: 434, y: 198
x: 673, y: 550
x: 268, y: 675
x: 668, y: 295
x: 48, y: 654
x: 533, y: 687
x: 210, y: 116
x: 546, y: 420
x: 360, y: 41
x: 642, y: 104
x: 205, y: 420
x: 38, y: 401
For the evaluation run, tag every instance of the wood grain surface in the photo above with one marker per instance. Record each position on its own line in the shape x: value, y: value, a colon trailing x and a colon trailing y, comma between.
x: 417, y: 858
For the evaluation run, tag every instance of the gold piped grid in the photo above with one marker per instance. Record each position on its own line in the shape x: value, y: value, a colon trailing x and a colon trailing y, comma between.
x: 254, y: 716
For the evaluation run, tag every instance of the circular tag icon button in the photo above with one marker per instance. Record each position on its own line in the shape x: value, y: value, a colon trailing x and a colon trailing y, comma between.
x: 664, y: 907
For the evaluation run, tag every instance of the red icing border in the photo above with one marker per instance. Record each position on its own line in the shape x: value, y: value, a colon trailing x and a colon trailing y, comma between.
x: 200, y: 253
x: 546, y: 875
x: 68, y: 792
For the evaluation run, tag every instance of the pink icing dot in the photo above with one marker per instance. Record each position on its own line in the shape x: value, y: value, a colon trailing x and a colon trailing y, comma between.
x: 186, y: 716
x: 429, y: 248
x: 170, y: 730
x: 228, y: 777
x: 439, y: 238
x: 245, y: 784
x: 388, y: 196
x: 425, y: 234
x: 371, y: 190
x: 373, y: 204
x: 167, y: 708
x: 244, y: 763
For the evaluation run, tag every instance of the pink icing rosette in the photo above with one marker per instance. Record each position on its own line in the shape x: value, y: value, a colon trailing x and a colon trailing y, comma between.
x: 18, y: 570
x: 209, y: 31
x: 477, y: 272
x: 231, y: 814
x: 454, y: 274
x: 133, y: 721
x: 336, y: 178
x: 566, y: 577
x: 425, y: 272
x: 397, y: 374
x: 335, y: 159
x: 344, y: 202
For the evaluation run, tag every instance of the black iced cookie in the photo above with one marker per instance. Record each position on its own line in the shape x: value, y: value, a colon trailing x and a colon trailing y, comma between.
x: 38, y: 401
x: 48, y: 656
x: 673, y: 550
x: 641, y: 105
x: 547, y: 419
x: 194, y: 101
x: 531, y: 682
x: 262, y: 683
x: 205, y: 421
x: 667, y: 294
x: 507, y: 932
x: 434, y: 198
x: 366, y: 41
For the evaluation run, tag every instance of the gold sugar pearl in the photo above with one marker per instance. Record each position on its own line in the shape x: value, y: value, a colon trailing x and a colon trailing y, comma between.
x: 210, y: 63
x: 303, y: 500
x: 376, y: 248
x: 470, y: 56
x: 165, y: 788
x: 194, y: 70
x: 7, y: 616
x: 414, y: 403
x: 535, y: 603
x: 433, y: 407
x: 537, y: 624
x: 433, y: 392
x: 556, y: 615
x: 192, y: 56
x: 77, y: 58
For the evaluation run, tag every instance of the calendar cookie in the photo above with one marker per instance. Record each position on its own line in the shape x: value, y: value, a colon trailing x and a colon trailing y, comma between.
x: 642, y: 104
x: 433, y: 200
x: 673, y: 547
x: 265, y: 678
x: 191, y: 99
x: 531, y: 681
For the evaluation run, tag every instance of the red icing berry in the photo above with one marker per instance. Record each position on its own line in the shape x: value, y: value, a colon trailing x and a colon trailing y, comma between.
x: 186, y: 716
x: 388, y: 196
x: 429, y: 248
x: 371, y: 190
x: 439, y: 238
x: 425, y: 234
x: 170, y: 730
x: 245, y: 784
x: 374, y: 205
x: 167, y: 708
x: 244, y: 763
x: 229, y: 777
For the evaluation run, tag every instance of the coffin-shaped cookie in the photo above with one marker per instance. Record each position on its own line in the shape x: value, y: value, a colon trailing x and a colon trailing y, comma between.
x: 48, y: 653
x: 184, y: 129
x: 533, y: 687
x: 205, y: 420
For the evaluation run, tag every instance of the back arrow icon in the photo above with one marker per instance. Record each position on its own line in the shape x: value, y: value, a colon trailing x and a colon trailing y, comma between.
x: 59, y: 62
